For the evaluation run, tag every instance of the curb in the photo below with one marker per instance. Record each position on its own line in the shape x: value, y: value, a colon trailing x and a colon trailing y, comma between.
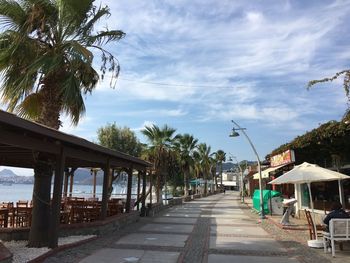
x: 54, y: 251
x: 5, y: 254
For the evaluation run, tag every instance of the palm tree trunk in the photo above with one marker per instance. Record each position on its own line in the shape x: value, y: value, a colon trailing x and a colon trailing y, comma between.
x: 216, y: 182
x: 186, y: 182
x: 49, y: 116
x: 221, y: 173
x: 38, y: 235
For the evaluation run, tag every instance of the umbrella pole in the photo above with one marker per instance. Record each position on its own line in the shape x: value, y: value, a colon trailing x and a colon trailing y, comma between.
x: 312, y: 209
x: 341, y: 195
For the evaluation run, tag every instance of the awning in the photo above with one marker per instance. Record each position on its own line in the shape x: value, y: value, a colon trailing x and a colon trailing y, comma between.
x: 265, y: 173
x: 229, y: 183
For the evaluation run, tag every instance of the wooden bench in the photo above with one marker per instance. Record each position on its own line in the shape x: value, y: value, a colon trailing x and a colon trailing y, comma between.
x: 339, y: 230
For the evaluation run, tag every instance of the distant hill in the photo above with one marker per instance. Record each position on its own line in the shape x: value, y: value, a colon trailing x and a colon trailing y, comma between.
x: 83, y: 176
x: 7, y: 173
x: 230, y: 165
x: 9, y: 177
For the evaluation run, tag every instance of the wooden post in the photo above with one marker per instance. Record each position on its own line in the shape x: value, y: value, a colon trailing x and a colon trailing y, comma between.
x: 128, y: 193
x: 104, y: 207
x: 94, y: 183
x: 138, y: 189
x: 56, y: 200
x: 65, y: 188
x: 150, y: 188
x: 71, y: 175
x: 143, y: 207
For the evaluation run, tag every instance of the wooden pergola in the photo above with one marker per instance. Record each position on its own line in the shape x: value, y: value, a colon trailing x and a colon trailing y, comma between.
x: 22, y: 140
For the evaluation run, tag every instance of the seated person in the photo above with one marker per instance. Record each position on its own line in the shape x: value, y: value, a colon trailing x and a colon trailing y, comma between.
x: 337, y: 212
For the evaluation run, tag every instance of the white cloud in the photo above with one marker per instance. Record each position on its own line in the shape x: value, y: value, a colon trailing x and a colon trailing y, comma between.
x: 143, y: 125
x: 159, y: 112
x: 248, y: 60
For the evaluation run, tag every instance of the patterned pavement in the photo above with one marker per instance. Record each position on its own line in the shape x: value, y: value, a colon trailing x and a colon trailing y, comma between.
x: 213, y: 229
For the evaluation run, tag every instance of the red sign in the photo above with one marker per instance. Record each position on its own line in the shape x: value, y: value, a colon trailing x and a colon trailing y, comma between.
x: 282, y: 158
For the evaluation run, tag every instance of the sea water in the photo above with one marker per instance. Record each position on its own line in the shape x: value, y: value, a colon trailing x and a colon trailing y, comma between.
x: 15, y: 192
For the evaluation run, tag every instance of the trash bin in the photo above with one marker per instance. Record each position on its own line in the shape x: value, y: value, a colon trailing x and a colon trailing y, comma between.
x: 267, y: 195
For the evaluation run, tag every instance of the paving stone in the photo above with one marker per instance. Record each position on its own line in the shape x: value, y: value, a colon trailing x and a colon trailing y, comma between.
x: 239, y: 230
x: 168, y: 228
x: 245, y: 243
x: 233, y: 221
x: 154, y: 239
x: 185, y: 215
x: 109, y: 255
x: 212, y: 258
x: 173, y: 220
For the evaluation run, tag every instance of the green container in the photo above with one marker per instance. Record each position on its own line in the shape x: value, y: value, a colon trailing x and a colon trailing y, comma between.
x: 267, y: 194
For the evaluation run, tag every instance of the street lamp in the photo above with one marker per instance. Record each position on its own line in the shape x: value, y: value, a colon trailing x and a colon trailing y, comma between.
x: 241, y: 172
x: 234, y: 133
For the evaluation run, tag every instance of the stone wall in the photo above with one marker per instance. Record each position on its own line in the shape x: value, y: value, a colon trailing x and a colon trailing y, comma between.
x: 91, y: 228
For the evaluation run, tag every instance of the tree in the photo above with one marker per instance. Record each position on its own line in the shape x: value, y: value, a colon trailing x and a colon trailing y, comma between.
x: 220, y: 156
x: 197, y: 167
x: 46, y: 61
x: 346, y: 86
x: 160, y: 152
x: 203, y: 151
x: 185, y: 145
x: 119, y: 139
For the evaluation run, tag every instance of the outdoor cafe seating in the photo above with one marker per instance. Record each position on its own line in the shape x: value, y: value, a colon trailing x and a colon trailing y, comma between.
x: 73, y: 210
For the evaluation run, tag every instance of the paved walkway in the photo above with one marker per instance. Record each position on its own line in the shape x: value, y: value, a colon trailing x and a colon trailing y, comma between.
x: 213, y: 229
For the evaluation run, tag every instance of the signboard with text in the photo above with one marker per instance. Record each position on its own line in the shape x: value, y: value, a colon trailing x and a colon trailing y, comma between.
x: 282, y: 158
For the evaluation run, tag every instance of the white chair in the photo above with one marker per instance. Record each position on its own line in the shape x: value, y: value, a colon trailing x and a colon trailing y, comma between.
x: 339, y: 230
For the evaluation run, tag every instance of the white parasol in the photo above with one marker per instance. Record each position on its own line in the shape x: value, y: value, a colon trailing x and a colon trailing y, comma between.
x: 308, y: 173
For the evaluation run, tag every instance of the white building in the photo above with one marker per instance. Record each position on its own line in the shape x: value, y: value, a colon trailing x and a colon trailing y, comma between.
x: 230, y: 180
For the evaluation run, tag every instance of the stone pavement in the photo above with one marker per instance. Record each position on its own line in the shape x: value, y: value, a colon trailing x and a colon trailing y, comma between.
x: 213, y: 229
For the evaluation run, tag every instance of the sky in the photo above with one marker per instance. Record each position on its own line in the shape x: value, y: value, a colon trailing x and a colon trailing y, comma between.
x: 196, y: 65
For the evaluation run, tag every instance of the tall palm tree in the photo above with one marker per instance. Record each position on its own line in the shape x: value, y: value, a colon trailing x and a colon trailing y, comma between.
x: 197, y: 166
x: 46, y: 62
x: 204, y: 153
x: 220, y: 156
x: 160, y: 152
x: 213, y: 164
x: 185, y: 145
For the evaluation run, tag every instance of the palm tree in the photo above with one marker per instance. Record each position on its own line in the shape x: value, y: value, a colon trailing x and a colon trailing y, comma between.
x: 213, y: 164
x: 160, y: 152
x: 185, y: 145
x: 46, y: 63
x: 220, y: 156
x: 197, y: 166
x: 204, y: 153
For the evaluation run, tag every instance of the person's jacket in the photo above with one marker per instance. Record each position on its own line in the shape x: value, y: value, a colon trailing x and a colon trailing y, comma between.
x: 340, y: 213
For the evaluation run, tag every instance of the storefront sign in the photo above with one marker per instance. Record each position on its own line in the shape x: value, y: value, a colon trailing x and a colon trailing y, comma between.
x: 282, y: 158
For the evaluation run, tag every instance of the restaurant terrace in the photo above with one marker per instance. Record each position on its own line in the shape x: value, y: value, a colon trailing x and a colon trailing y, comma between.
x: 20, y: 143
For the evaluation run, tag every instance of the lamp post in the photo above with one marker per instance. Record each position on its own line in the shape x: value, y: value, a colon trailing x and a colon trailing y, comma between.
x: 234, y: 133
x: 241, y: 172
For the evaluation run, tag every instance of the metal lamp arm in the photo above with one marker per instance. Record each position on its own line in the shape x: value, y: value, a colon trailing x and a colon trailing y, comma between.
x: 250, y: 142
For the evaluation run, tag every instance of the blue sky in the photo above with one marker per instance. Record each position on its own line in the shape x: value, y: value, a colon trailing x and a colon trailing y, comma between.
x: 249, y: 61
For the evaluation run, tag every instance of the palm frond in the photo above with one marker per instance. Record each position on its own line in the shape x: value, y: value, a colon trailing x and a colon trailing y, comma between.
x: 12, y: 15
x: 104, y: 37
x: 88, y: 27
x: 73, y: 101
x: 30, y: 107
